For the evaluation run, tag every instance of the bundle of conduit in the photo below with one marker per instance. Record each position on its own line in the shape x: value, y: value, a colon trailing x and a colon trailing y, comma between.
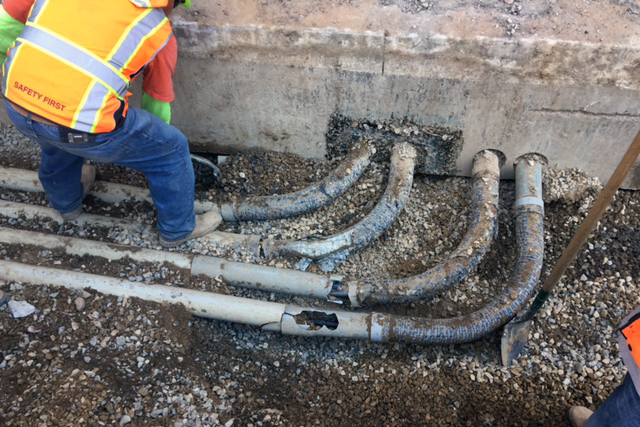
x: 327, y: 252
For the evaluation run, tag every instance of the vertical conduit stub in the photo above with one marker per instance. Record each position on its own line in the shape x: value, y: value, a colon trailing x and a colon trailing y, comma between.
x: 486, y: 162
x: 528, y: 171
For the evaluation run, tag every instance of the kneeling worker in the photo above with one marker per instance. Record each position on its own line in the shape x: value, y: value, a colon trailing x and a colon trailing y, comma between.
x: 66, y: 80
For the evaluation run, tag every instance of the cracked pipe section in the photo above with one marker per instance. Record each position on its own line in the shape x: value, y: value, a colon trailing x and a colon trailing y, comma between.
x: 338, y: 246
x: 460, y: 263
x: 306, y: 200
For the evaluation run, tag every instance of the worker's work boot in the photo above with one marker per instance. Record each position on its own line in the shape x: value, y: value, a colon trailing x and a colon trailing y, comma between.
x: 205, y: 224
x: 88, y: 179
x: 4, y: 298
x: 579, y: 415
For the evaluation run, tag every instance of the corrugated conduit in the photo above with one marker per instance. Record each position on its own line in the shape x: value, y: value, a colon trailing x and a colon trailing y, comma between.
x: 336, y: 248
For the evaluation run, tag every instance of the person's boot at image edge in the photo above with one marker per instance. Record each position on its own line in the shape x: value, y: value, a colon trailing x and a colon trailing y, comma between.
x: 579, y: 415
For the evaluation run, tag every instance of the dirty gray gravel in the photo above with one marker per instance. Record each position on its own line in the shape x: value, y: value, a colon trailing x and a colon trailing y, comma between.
x: 82, y: 358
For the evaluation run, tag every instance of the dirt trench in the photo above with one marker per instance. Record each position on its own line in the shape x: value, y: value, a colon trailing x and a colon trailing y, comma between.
x: 82, y: 357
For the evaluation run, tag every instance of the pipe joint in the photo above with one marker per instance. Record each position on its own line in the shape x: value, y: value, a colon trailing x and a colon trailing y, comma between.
x: 339, y: 291
x: 228, y: 212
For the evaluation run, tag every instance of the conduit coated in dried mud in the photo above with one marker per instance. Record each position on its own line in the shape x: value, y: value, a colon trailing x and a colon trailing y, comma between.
x: 529, y: 211
x: 291, y: 319
x: 460, y: 263
x: 336, y: 248
x: 306, y: 200
x: 249, y: 209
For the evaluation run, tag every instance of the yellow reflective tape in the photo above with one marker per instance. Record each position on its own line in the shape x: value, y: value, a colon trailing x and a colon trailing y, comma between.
x: 17, y: 51
x: 82, y: 103
x: 84, y: 50
x: 145, y: 38
x: 125, y: 34
x: 99, y: 114
x: 45, y: 4
x: 72, y: 65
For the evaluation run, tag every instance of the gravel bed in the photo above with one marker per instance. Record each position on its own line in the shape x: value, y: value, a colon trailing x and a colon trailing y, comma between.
x: 81, y: 358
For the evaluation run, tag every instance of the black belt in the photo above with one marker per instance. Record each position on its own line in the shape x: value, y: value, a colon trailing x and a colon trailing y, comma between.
x: 67, y: 134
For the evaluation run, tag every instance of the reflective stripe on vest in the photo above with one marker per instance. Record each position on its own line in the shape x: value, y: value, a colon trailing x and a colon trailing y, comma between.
x: 6, y: 67
x: 138, y: 31
x: 76, y: 57
x: 94, y: 95
x: 38, y: 5
x: 121, y: 55
x: 631, y: 332
x: 141, y: 3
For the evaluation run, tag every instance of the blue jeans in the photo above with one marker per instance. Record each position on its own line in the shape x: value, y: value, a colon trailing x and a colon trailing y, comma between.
x: 621, y: 409
x: 143, y: 143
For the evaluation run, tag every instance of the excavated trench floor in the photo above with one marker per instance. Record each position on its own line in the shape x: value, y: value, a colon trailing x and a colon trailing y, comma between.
x: 85, y: 357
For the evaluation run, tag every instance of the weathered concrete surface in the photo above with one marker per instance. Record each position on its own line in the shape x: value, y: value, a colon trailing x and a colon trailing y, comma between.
x: 560, y: 78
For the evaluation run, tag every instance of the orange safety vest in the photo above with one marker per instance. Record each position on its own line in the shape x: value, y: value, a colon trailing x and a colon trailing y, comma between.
x: 631, y: 333
x: 75, y: 59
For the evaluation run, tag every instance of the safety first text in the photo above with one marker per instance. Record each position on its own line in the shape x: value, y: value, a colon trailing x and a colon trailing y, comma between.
x: 40, y: 97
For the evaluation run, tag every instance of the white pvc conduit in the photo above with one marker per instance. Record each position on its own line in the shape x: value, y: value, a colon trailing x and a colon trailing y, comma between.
x: 82, y: 247
x: 233, y: 273
x: 32, y: 212
x: 26, y: 180
x: 203, y: 304
x: 244, y: 243
x: 269, y: 316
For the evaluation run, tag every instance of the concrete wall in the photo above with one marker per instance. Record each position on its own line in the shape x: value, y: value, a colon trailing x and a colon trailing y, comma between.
x: 575, y: 103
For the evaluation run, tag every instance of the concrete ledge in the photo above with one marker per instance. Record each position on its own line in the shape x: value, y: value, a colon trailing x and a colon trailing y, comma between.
x: 276, y: 89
